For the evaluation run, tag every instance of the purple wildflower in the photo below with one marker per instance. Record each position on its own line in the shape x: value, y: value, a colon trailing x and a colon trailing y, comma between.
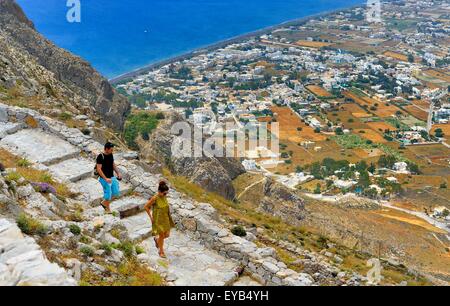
x: 44, y: 188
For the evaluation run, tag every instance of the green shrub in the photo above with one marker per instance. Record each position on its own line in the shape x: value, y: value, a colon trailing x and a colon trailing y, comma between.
x: 139, y: 250
x: 46, y: 178
x: 141, y: 123
x: 31, y: 226
x: 65, y: 116
x: 23, y: 163
x: 87, y: 251
x: 239, y: 231
x: 75, y: 229
x: 12, y: 177
x: 127, y: 248
x: 107, y: 248
x: 85, y: 239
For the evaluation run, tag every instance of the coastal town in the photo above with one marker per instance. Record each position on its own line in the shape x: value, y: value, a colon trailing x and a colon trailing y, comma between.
x: 315, y: 152
x: 362, y: 103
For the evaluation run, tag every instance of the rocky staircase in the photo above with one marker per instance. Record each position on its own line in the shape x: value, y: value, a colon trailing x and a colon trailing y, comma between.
x: 188, y: 262
x: 201, y: 251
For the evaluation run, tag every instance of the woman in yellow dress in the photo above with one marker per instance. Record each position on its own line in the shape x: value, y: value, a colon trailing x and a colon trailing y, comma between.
x: 159, y: 212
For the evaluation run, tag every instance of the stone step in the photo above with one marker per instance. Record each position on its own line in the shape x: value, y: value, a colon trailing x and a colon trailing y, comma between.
x: 138, y: 226
x: 10, y: 128
x: 129, y: 206
x: 72, y: 170
x: 91, y: 191
x: 125, y: 207
x: 246, y: 281
x: 39, y: 147
x: 189, y: 263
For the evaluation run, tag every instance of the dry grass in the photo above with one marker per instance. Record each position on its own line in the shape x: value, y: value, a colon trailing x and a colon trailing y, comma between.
x: 12, y: 161
x: 129, y: 273
x: 243, y: 214
x: 410, y: 219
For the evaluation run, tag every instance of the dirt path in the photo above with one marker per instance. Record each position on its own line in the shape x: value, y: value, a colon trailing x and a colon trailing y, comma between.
x: 249, y: 187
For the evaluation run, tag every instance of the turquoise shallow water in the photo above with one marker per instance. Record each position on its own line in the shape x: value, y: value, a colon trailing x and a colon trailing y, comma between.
x: 118, y: 36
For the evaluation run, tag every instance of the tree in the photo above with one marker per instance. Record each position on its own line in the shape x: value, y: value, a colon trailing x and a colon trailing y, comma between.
x: 439, y: 133
x: 364, y: 180
x: 318, y: 189
x: 371, y: 168
x: 316, y: 170
x: 387, y: 161
x: 413, y: 168
x: 371, y: 193
x: 361, y: 166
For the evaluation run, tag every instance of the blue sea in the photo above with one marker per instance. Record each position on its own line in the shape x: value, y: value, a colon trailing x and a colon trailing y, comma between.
x: 119, y: 36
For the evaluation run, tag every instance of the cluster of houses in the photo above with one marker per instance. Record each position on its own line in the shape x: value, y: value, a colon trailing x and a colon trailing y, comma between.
x: 241, y: 82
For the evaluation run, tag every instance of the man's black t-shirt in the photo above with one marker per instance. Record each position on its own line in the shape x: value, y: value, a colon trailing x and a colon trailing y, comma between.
x: 107, y: 162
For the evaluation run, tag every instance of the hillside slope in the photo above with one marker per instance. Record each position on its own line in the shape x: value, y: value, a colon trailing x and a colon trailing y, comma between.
x: 32, y: 66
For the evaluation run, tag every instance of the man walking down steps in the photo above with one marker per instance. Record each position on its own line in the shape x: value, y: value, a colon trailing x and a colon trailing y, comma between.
x: 105, y: 170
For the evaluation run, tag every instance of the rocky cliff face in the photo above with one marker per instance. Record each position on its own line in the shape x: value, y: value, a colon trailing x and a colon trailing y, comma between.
x: 213, y: 174
x: 282, y: 202
x: 32, y: 66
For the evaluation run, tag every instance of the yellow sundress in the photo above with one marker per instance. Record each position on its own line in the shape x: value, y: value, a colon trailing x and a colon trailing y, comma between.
x: 162, y: 220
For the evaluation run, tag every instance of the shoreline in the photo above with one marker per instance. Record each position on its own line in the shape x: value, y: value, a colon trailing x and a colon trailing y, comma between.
x: 225, y: 42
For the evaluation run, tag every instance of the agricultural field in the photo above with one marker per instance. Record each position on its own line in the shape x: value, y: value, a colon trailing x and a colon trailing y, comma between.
x: 445, y: 128
x: 412, y: 121
x: 379, y: 108
x: 293, y: 129
x: 371, y: 135
x: 356, y: 110
x: 312, y: 44
x: 439, y: 74
x: 316, y: 152
x: 429, y: 77
x: 396, y: 55
x: 421, y: 103
x: 346, y: 119
x: 355, y: 141
x: 416, y: 112
x: 381, y: 126
x: 319, y: 91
